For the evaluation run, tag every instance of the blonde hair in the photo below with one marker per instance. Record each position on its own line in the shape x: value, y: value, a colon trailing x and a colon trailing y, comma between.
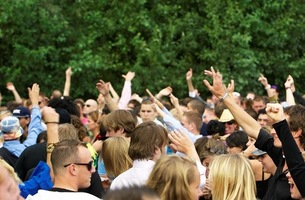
x: 115, y: 156
x: 171, y: 177
x: 232, y: 178
x: 10, y: 170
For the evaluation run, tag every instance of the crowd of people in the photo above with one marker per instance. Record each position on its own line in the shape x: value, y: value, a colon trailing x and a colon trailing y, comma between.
x: 222, y: 147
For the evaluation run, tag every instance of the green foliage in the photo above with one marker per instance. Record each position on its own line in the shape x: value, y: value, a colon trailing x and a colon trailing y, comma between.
x: 159, y: 40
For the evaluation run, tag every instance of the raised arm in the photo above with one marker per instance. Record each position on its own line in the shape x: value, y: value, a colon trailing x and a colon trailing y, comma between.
x: 126, y: 91
x: 10, y: 86
x: 249, y: 125
x: 190, y: 86
x: 114, y: 94
x: 174, y: 100
x: 104, y: 89
x: 293, y: 156
x: 51, y: 119
x: 289, y: 95
x: 264, y: 82
x: 68, y: 81
x: 164, y: 92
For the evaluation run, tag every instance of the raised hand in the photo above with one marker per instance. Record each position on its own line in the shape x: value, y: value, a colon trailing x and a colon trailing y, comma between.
x: 218, y: 88
x: 34, y: 94
x: 10, y: 86
x: 189, y: 74
x: 129, y: 76
x: 165, y: 91
x: 103, y: 87
x: 289, y: 82
x: 263, y: 80
x: 69, y: 72
x: 180, y: 141
x: 275, y: 112
x: 174, y: 100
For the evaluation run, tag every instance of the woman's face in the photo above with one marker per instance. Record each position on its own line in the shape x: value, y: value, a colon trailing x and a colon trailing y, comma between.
x: 294, y: 191
x: 195, y: 186
x: 91, y: 125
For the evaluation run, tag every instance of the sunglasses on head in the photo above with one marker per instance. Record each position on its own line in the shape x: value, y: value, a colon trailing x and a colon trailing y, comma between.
x: 88, y: 165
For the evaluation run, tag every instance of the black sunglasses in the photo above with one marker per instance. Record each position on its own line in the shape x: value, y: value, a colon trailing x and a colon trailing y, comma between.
x: 230, y: 122
x: 89, y: 165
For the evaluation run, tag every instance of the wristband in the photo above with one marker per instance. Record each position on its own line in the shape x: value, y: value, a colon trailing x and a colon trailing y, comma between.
x: 50, y: 147
x: 51, y: 122
x: 268, y: 87
x: 287, y: 88
x: 223, y: 97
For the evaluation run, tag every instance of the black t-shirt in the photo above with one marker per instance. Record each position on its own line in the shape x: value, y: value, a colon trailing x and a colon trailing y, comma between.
x: 10, y: 158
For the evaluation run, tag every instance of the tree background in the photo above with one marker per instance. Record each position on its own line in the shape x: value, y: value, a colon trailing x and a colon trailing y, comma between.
x: 159, y: 40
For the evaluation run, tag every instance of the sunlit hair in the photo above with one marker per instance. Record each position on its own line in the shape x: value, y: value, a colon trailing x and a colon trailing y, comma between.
x: 172, y: 176
x: 120, y: 119
x: 115, y: 156
x: 296, y: 120
x: 207, y: 147
x: 10, y: 170
x: 232, y: 178
x: 145, y: 139
x: 67, y: 131
x: 94, y: 116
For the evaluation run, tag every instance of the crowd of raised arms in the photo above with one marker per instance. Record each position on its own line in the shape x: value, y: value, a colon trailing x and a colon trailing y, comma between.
x: 222, y: 147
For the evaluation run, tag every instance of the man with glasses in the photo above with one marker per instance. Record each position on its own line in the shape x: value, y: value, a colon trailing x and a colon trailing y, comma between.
x: 72, y: 166
x: 90, y: 106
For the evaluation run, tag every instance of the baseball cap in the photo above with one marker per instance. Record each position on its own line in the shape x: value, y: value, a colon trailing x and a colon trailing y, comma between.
x: 21, y: 112
x: 258, y: 152
x: 11, y: 124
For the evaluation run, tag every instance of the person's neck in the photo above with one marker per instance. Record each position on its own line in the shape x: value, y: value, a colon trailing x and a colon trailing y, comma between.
x: 96, y: 131
x: 64, y: 184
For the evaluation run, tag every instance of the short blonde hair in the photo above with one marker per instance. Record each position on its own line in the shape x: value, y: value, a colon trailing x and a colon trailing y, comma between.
x: 171, y: 177
x: 232, y: 178
x: 115, y: 156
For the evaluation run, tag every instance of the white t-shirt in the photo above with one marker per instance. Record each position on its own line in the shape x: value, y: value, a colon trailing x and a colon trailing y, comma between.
x: 52, y: 195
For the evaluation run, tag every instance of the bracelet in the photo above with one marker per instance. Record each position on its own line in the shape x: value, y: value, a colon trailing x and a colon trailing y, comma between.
x: 287, y: 88
x: 50, y: 147
x: 268, y: 87
x: 51, y: 122
x: 223, y: 97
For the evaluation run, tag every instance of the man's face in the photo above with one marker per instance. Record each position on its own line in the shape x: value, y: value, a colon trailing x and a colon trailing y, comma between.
x: 24, y: 121
x: 84, y: 175
x: 90, y: 106
x: 263, y: 120
x: 147, y: 113
x: 257, y: 105
x: 186, y: 124
x: 112, y: 133
x: 276, y: 139
x: 42, y: 101
x: 268, y: 164
x: 208, y: 115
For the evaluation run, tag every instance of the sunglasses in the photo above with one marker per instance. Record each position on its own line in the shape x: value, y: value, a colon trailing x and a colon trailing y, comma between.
x: 230, y: 122
x: 89, y: 165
